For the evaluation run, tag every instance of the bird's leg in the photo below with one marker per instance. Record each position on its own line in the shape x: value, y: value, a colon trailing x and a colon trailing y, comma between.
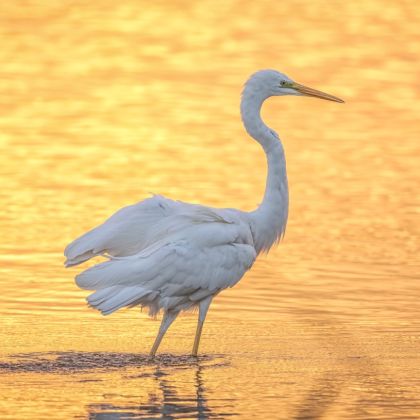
x: 202, y: 312
x: 168, y: 318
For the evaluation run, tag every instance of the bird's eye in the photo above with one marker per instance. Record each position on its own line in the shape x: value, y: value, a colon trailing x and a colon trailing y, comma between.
x: 283, y: 83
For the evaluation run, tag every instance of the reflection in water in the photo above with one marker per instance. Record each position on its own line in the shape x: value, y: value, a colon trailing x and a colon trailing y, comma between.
x: 176, y: 399
x: 171, y: 402
x: 320, y: 397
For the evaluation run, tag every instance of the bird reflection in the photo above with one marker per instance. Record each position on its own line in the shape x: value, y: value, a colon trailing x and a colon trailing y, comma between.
x: 174, y: 403
x: 170, y: 397
x: 166, y: 402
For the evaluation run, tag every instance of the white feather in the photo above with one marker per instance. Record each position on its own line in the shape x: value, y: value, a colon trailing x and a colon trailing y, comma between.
x: 180, y: 267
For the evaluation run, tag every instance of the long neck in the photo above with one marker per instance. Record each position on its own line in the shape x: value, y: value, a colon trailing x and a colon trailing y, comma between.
x: 270, y: 218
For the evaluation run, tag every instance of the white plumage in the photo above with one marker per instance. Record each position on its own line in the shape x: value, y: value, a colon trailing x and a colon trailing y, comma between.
x: 164, y: 253
x: 170, y: 255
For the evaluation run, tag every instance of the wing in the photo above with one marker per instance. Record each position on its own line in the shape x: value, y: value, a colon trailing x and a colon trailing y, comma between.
x: 124, y: 233
x: 193, y: 261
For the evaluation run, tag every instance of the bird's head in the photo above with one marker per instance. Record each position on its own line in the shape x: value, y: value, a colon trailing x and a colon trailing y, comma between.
x: 273, y: 83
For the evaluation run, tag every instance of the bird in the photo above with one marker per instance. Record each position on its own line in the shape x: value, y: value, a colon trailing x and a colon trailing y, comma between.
x: 171, y: 256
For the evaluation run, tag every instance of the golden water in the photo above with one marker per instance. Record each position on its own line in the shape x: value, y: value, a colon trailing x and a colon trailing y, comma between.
x: 103, y: 102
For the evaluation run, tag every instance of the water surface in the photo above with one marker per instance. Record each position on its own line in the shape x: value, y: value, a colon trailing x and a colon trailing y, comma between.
x: 105, y: 103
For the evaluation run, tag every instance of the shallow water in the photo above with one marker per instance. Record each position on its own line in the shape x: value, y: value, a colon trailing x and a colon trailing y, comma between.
x: 103, y: 104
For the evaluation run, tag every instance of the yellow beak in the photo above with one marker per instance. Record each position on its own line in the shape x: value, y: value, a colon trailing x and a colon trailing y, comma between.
x: 307, y: 91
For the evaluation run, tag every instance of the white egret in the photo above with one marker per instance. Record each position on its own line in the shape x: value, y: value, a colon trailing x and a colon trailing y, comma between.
x: 169, y: 255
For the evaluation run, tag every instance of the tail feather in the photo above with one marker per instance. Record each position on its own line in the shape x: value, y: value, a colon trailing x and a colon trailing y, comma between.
x: 101, y: 295
x: 111, y: 299
x: 83, y: 248
x: 103, y: 275
x: 70, y: 262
